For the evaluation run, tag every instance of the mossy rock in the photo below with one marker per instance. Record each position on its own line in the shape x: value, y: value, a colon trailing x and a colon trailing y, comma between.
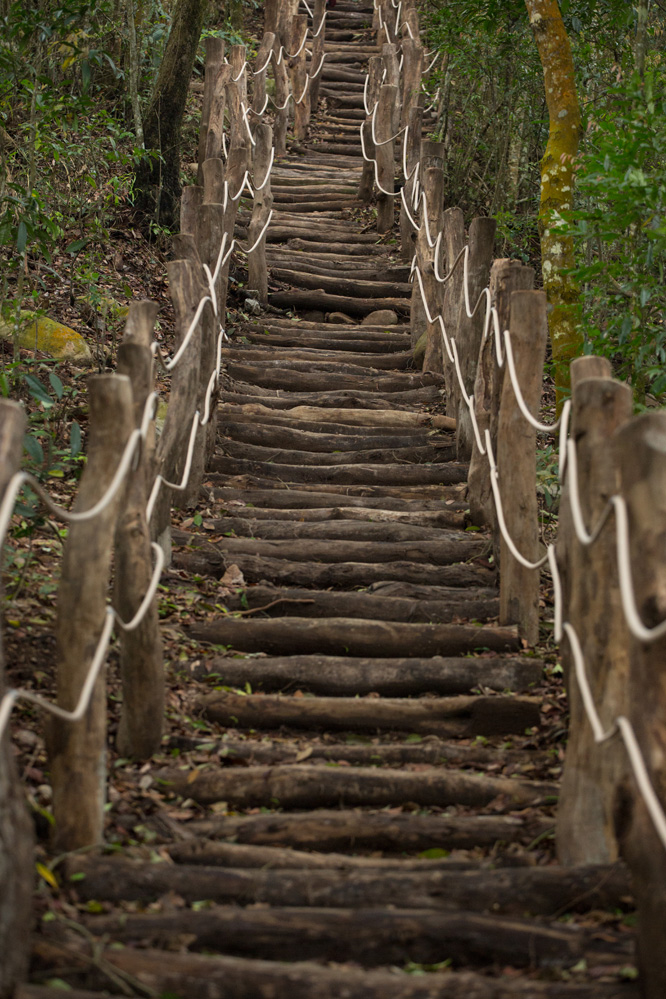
x: 50, y: 337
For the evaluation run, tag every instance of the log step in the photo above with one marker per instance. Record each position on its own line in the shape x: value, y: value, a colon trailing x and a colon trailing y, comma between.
x: 368, y: 418
x: 245, y: 393
x: 448, y: 549
x: 215, y: 977
x: 427, y: 454
x: 515, y: 892
x: 306, y: 440
x: 292, y: 788
x: 439, y: 474
x: 338, y: 529
x: 446, y: 717
x: 300, y: 300
x: 212, y: 853
x: 268, y: 600
x: 208, y: 559
x: 302, y: 500
x: 375, y: 752
x: 453, y: 517
x: 369, y: 936
x: 354, y: 637
x: 339, y: 676
x: 390, y: 832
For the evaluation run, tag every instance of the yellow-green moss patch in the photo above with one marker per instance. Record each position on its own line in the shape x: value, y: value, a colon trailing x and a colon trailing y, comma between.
x: 49, y: 336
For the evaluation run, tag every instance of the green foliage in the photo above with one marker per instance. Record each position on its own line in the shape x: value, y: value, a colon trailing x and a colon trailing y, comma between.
x: 488, y: 91
x: 619, y: 227
x: 53, y: 440
x: 67, y: 158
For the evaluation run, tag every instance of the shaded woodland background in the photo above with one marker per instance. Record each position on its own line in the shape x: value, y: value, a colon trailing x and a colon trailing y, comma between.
x: 91, y: 162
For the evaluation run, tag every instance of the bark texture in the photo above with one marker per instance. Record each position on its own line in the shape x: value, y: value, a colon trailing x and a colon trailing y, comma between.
x: 158, y: 179
x: 557, y: 180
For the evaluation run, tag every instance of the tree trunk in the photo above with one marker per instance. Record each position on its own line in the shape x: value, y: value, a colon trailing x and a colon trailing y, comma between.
x: 557, y: 179
x: 158, y: 179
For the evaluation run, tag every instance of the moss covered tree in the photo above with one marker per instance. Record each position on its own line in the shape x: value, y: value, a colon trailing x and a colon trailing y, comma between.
x: 557, y: 179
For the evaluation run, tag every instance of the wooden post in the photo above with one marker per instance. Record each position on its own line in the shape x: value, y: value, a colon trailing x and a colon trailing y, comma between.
x: 386, y: 34
x: 506, y: 276
x: 141, y: 660
x: 16, y: 828
x: 190, y: 203
x: 432, y: 154
x: 186, y: 289
x: 214, y: 66
x: 298, y: 76
x: 259, y: 84
x: 453, y: 241
x: 433, y: 185
x: 413, y: 152
x: 470, y: 331
x: 592, y: 773
x: 410, y: 17
x: 282, y: 30
x: 263, y: 202
x: 77, y: 751
x: 213, y: 146
x: 214, y: 173
x: 237, y: 165
x: 318, y: 46
x: 367, y: 184
x: 567, y: 549
x: 391, y: 65
x: 412, y: 71
x: 211, y: 228
x: 516, y: 464
x: 271, y: 15
x: 236, y: 89
x: 384, y: 154
x: 641, y: 454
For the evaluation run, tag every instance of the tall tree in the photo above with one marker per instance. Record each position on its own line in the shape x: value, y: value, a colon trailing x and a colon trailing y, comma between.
x: 557, y: 180
x: 158, y: 179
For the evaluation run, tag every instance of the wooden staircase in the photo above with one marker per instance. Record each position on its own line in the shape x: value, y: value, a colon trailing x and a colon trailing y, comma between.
x: 377, y: 775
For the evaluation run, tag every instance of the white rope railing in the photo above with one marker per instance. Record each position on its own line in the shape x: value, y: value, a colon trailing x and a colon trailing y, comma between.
x: 137, y: 438
x: 567, y: 463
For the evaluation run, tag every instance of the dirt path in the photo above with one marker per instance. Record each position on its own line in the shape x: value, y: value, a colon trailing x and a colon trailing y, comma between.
x: 377, y: 795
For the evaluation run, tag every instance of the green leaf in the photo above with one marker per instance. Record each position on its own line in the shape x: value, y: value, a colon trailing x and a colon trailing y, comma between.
x: 75, y: 439
x: 77, y: 245
x: 38, y: 391
x: 56, y: 385
x: 34, y: 449
x: 22, y: 237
